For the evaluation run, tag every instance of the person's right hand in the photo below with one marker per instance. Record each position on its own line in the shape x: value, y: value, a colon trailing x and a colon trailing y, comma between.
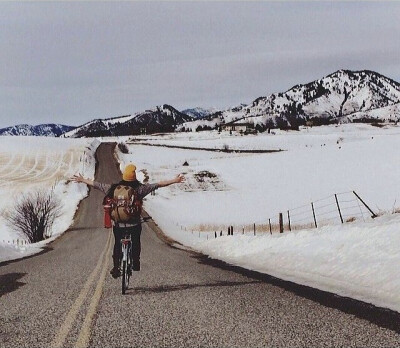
x: 78, y: 178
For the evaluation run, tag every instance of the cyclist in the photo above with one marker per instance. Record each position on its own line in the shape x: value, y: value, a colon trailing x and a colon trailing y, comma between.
x: 133, y: 227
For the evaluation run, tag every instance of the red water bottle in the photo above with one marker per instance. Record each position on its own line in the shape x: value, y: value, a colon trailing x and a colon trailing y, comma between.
x: 107, y: 216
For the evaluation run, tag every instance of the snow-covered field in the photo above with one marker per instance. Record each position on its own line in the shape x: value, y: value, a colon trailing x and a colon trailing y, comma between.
x: 358, y: 259
x: 31, y: 163
x: 250, y: 188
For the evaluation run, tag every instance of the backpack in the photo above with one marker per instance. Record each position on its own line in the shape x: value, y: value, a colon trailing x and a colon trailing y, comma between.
x: 125, y: 204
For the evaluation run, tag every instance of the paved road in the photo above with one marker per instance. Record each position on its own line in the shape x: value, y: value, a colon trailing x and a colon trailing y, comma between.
x: 65, y: 297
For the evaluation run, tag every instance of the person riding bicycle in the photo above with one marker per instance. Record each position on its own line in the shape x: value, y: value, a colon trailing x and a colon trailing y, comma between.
x: 133, y: 227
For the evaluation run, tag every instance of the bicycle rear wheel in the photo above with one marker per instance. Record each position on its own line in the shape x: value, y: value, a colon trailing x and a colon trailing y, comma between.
x: 129, y: 266
x: 124, y: 277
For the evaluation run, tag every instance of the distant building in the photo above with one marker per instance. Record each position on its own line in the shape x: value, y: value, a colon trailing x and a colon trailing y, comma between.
x: 241, y: 126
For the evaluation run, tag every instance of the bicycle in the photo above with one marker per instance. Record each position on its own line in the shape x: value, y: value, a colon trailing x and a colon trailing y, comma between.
x: 126, y: 260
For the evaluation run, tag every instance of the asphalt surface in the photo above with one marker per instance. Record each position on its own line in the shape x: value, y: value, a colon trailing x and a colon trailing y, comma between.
x: 66, y: 297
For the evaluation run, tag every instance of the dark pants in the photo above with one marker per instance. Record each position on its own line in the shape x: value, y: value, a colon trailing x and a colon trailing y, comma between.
x: 119, y: 233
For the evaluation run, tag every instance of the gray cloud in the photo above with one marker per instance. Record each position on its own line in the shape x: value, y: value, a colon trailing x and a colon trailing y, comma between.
x: 71, y: 62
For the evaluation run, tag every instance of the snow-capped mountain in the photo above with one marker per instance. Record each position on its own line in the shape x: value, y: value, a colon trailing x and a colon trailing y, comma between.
x: 344, y: 96
x: 163, y: 118
x: 335, y: 98
x: 48, y: 130
x: 199, y: 112
x: 214, y: 120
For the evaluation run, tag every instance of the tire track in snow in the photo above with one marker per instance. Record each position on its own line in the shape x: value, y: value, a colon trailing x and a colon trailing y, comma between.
x: 16, y: 168
x: 6, y: 165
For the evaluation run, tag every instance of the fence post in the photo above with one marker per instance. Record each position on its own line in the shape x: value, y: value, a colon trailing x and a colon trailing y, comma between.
x: 338, y: 207
x: 215, y: 232
x: 280, y: 223
x: 288, y: 216
x: 220, y: 234
x: 313, y: 211
x: 231, y: 230
x: 243, y: 231
x: 373, y: 214
x: 270, y: 228
x: 254, y: 228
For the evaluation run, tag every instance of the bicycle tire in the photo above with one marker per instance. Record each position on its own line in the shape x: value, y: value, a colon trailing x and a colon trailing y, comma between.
x: 128, y: 268
x: 124, y: 273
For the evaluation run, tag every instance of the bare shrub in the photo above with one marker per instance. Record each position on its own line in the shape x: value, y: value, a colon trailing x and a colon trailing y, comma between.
x: 204, y: 176
x: 123, y: 147
x: 33, y: 214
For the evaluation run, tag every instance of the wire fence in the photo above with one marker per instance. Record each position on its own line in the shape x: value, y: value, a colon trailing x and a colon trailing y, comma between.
x: 335, y: 209
x: 17, y: 242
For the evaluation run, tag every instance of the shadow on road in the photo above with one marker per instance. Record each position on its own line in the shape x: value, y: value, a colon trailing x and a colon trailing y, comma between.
x: 169, y: 288
x: 10, y: 282
x: 79, y: 228
x: 382, y: 317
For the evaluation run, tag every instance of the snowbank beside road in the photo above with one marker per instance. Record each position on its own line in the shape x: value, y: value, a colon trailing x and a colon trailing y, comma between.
x: 360, y: 260
x: 37, y: 163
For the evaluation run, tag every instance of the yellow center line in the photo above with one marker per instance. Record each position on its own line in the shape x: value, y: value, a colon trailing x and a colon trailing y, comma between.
x: 84, y: 334
x: 72, y: 314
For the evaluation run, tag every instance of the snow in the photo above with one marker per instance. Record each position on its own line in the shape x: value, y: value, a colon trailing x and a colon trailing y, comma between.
x: 199, y: 111
x: 391, y: 112
x: 193, y: 125
x: 121, y: 119
x: 38, y: 163
x: 358, y: 259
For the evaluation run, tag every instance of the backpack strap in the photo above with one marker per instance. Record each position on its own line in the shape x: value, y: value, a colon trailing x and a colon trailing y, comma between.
x: 110, y: 194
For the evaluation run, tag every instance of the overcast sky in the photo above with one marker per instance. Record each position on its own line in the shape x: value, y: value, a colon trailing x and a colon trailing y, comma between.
x: 72, y: 62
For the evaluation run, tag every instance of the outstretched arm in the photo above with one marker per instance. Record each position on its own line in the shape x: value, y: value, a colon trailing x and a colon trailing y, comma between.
x: 80, y: 178
x: 178, y: 179
x: 97, y: 185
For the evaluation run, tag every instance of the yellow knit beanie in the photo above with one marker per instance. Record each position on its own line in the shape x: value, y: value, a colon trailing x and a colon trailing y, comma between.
x: 129, y: 173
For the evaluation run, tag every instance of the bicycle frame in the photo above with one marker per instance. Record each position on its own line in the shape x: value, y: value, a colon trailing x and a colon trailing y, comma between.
x: 126, y: 244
